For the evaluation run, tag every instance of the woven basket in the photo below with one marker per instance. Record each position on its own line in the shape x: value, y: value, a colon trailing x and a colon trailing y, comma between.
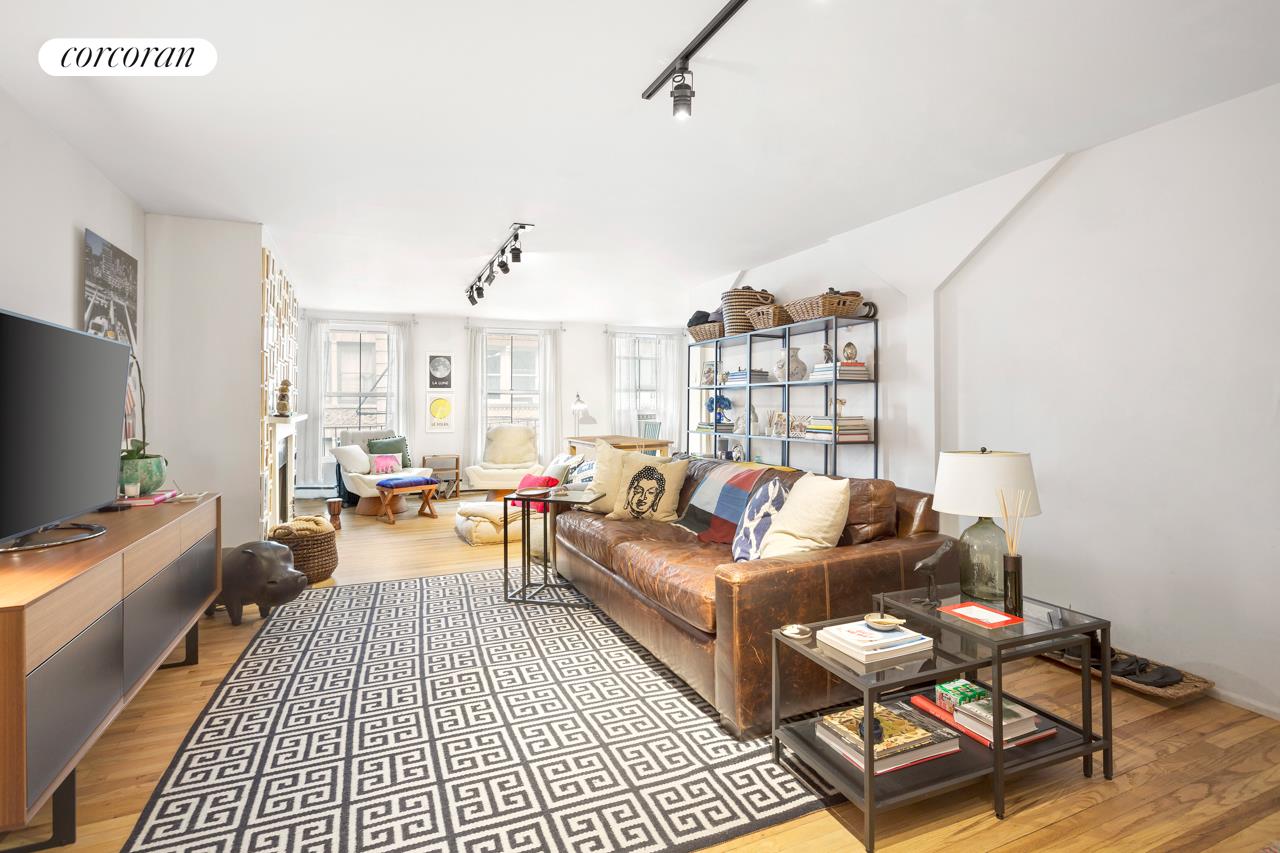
x: 736, y: 304
x: 707, y: 331
x: 768, y: 316
x: 1190, y: 687
x: 315, y: 556
x: 825, y: 305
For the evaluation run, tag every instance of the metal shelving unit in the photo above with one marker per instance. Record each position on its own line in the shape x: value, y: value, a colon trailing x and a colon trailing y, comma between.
x: 828, y: 328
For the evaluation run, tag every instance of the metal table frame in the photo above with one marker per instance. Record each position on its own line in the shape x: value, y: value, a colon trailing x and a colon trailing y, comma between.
x: 886, y: 683
x: 530, y: 590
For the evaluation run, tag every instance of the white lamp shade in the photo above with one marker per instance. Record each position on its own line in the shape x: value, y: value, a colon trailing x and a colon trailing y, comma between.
x: 969, y: 482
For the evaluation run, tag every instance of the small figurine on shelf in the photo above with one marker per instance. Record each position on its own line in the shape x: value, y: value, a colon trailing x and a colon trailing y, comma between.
x: 283, y: 409
x: 927, y: 567
x: 850, y: 352
x: 838, y: 406
x: 828, y: 355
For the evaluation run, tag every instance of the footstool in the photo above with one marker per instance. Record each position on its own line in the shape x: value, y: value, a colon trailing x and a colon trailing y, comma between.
x: 393, y: 487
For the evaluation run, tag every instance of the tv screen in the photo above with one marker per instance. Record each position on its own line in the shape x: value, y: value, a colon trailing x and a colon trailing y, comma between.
x: 63, y: 395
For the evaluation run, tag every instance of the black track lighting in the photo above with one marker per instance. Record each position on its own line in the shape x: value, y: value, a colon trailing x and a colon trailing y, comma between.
x: 681, y: 95
x: 510, y: 248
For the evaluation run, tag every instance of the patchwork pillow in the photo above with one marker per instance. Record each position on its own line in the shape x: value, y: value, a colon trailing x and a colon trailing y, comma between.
x: 385, y: 463
x: 717, y: 504
x: 529, y: 481
x: 352, y: 458
x: 397, y: 444
x: 764, y: 503
x: 648, y: 488
x: 811, y: 519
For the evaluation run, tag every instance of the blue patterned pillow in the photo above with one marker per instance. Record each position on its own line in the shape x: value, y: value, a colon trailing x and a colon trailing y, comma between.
x: 762, y: 506
x: 585, y: 472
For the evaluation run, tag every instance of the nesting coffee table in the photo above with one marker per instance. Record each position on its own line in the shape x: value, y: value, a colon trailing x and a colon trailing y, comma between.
x: 960, y: 649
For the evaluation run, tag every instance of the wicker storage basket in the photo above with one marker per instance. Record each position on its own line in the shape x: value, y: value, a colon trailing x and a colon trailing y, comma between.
x: 825, y: 305
x: 768, y: 316
x: 736, y: 304
x: 315, y: 555
x: 707, y: 331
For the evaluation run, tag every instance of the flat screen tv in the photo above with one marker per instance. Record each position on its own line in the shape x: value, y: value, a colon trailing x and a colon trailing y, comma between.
x: 62, y: 394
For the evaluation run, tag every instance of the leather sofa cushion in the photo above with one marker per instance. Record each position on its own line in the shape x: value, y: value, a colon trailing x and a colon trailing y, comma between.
x: 679, y: 577
x: 598, y: 537
x: 873, y: 511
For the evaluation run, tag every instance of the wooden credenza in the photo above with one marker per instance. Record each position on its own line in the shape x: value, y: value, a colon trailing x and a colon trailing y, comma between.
x: 83, y: 626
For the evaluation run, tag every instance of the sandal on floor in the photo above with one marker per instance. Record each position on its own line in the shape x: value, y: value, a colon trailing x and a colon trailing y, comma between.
x: 1157, y: 676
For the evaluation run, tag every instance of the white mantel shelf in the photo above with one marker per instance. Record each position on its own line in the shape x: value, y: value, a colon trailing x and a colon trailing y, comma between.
x: 286, y: 419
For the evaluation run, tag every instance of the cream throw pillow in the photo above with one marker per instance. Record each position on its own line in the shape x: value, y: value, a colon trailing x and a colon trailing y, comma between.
x: 814, y: 516
x: 608, y: 473
x: 648, y: 488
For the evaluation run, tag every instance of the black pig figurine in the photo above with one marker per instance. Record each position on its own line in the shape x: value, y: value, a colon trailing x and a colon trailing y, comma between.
x: 260, y: 573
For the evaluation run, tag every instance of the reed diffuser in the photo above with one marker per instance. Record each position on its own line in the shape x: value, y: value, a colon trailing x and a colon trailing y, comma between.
x: 1012, y: 559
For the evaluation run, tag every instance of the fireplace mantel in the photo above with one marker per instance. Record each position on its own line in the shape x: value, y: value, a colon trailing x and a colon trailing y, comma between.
x: 282, y: 433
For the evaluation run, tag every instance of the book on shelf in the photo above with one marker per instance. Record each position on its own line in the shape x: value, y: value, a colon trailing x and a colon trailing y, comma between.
x: 924, y: 703
x: 157, y: 497
x: 976, y: 715
x: 910, y: 663
x: 742, y: 377
x: 909, y: 737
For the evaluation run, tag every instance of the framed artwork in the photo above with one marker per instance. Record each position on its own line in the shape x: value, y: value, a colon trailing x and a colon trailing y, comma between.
x: 440, y: 371
x: 111, y: 306
x: 440, y: 413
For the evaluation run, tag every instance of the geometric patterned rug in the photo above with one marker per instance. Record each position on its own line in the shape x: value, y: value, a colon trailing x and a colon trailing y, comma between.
x: 430, y: 715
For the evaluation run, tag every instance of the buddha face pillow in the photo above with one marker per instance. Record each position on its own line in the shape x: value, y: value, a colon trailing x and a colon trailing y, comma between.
x: 649, y: 488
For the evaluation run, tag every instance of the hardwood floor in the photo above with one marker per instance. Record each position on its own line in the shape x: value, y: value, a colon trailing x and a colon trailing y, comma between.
x: 1205, y: 776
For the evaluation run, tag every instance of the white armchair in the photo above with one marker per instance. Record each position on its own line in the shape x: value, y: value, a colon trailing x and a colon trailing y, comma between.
x: 355, y: 464
x: 510, y: 452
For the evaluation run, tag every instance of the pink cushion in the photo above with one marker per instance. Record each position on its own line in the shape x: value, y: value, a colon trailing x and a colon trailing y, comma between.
x: 533, y: 480
x: 386, y: 463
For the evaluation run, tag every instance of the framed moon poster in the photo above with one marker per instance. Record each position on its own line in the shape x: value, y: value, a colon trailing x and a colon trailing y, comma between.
x: 439, y: 413
x: 440, y: 370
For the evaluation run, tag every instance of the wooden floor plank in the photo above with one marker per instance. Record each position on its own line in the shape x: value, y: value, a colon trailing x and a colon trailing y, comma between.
x: 1195, y: 775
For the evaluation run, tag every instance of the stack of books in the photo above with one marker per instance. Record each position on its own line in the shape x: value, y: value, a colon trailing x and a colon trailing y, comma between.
x: 708, y: 426
x: 1021, y: 725
x: 905, y: 736
x: 742, y: 377
x: 857, y: 645
x: 844, y: 370
x: 842, y: 430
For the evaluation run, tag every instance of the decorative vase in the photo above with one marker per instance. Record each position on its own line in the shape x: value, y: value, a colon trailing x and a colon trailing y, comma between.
x: 982, y: 554
x: 798, y: 369
x: 1013, y: 584
x: 148, y: 472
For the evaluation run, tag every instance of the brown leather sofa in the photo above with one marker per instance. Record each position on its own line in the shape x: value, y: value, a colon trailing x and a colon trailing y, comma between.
x: 708, y: 618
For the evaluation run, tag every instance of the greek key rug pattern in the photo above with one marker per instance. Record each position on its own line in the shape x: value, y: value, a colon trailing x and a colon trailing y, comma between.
x: 431, y: 715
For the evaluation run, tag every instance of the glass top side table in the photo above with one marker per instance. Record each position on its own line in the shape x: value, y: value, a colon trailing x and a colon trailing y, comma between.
x: 530, y: 590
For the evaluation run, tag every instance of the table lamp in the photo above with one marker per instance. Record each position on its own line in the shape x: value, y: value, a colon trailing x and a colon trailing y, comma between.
x: 971, y: 482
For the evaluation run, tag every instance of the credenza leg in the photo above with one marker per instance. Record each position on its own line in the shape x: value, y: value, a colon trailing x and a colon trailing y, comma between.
x: 64, y: 819
x: 192, y: 651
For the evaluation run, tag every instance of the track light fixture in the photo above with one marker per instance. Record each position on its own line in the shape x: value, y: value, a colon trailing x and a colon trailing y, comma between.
x: 510, y: 248
x: 677, y: 71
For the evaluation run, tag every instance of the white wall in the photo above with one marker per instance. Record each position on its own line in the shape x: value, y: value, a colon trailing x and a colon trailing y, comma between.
x: 204, y: 328
x: 49, y: 194
x: 1122, y: 328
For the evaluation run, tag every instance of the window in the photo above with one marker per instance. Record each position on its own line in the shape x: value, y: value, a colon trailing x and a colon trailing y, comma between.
x: 359, y: 381
x: 512, y: 380
x: 636, y: 377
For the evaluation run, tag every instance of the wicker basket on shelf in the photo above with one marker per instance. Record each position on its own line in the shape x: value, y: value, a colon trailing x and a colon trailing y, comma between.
x: 736, y: 303
x: 315, y: 548
x: 707, y: 331
x: 829, y: 304
x: 768, y: 316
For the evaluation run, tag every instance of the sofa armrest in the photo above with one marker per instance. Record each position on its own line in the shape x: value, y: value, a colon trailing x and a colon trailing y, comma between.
x: 753, y: 598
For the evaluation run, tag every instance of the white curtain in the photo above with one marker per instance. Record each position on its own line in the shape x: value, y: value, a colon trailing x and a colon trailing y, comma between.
x: 550, y: 441
x: 474, y: 421
x: 400, y: 406
x: 622, y: 390
x: 671, y: 387
x: 312, y: 351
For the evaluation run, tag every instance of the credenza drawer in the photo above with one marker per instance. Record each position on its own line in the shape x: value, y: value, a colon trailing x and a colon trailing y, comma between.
x: 147, y: 556
x: 62, y: 614
x: 68, y: 697
x: 157, y: 612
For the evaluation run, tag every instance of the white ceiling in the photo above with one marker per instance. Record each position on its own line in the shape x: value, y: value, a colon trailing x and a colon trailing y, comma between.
x: 387, y: 145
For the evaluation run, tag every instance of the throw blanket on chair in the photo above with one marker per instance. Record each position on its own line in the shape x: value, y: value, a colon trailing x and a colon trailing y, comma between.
x: 720, y: 500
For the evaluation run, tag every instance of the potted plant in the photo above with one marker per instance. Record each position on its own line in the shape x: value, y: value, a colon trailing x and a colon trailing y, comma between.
x: 148, y: 470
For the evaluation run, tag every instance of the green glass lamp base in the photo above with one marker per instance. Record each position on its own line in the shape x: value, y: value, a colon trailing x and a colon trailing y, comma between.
x: 982, y: 550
